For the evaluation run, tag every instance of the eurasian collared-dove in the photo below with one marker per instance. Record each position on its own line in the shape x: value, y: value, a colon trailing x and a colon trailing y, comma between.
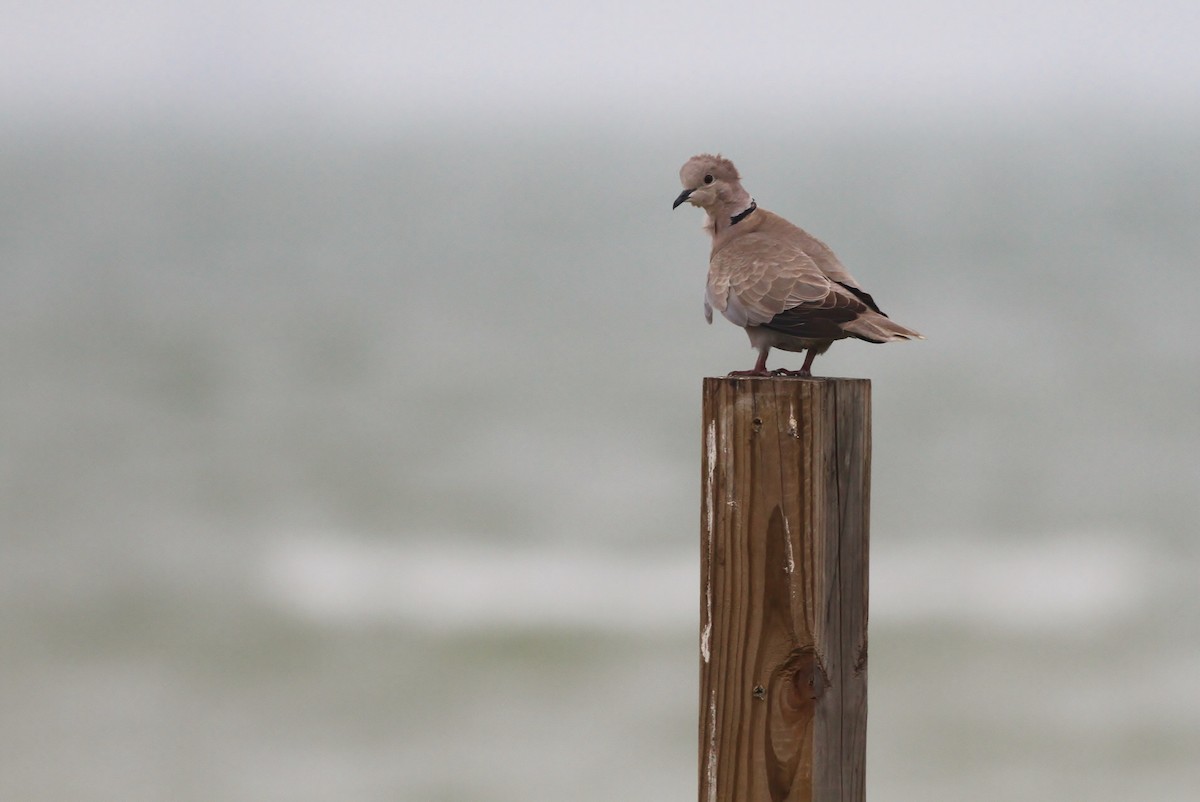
x: 784, y: 286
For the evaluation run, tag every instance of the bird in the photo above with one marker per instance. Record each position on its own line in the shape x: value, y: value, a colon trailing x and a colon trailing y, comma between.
x: 784, y: 286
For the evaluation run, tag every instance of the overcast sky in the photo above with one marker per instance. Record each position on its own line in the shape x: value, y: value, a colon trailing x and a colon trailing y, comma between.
x: 491, y: 61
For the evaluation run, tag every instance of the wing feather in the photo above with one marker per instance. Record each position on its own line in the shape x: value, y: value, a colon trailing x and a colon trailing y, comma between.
x: 757, y: 277
x: 780, y: 277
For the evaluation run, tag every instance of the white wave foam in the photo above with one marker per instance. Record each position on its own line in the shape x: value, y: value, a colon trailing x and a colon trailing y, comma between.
x: 342, y: 580
x: 1057, y: 583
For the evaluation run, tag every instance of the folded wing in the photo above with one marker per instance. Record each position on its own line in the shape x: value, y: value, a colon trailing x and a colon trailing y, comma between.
x: 759, y: 280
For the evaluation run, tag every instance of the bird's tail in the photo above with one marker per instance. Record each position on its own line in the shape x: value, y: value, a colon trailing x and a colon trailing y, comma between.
x: 879, y: 329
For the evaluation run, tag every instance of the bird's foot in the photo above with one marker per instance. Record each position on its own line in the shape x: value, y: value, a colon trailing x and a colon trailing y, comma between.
x: 806, y: 374
x: 756, y: 372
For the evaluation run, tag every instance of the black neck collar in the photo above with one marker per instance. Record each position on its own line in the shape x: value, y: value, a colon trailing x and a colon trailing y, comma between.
x: 737, y: 218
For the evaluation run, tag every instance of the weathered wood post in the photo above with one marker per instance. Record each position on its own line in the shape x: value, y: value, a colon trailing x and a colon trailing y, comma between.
x: 783, y: 607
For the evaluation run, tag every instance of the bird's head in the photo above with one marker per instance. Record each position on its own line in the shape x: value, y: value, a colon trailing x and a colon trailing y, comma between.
x: 711, y: 183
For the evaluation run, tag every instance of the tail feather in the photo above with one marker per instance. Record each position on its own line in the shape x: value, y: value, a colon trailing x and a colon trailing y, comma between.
x: 879, y: 329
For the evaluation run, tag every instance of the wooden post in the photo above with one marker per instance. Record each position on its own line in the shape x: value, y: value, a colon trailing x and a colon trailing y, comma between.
x: 783, y: 607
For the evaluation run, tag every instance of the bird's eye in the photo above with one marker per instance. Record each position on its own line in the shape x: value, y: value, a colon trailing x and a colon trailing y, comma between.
x: 708, y: 179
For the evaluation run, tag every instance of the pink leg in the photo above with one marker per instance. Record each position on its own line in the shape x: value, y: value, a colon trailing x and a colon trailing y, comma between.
x: 760, y: 367
x: 805, y: 369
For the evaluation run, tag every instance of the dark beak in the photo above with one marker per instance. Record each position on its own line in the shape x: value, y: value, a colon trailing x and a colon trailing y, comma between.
x: 687, y: 193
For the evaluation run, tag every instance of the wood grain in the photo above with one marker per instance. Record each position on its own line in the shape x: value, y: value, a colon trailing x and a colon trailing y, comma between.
x: 783, y: 607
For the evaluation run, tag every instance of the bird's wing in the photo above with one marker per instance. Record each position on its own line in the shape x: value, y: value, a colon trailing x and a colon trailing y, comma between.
x: 757, y: 277
x: 761, y: 280
x: 828, y: 318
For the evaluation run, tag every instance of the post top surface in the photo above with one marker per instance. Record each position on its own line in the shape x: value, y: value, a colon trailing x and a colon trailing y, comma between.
x: 786, y: 379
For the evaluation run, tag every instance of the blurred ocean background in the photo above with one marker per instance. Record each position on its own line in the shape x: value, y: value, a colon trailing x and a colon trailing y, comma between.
x: 350, y: 377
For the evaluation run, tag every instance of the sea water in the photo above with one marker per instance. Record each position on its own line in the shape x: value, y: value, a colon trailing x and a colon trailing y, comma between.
x: 368, y: 468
